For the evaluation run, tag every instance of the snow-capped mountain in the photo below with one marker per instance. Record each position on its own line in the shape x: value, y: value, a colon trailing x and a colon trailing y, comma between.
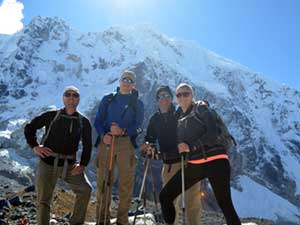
x: 263, y: 115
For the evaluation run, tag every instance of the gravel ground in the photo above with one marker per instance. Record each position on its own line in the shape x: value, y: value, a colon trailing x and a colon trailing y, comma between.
x: 23, y: 208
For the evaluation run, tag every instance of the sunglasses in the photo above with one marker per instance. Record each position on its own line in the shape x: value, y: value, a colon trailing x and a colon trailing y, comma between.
x: 69, y: 94
x: 163, y: 96
x: 183, y: 94
x: 127, y: 80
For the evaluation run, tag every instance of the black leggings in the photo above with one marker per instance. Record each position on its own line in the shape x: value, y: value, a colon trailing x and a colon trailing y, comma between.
x: 218, y: 174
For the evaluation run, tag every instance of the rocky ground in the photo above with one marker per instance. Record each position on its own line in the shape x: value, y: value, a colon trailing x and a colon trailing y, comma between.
x: 18, y: 208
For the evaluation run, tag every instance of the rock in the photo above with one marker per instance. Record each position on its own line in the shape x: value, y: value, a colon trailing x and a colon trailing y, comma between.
x: 249, y: 224
x: 5, y: 209
x: 16, y: 217
x: 53, y: 222
x: 3, y: 203
x: 29, y: 188
x: 33, y: 210
x: 2, y: 215
x: 2, y: 222
x: 29, y: 204
x: 16, y: 201
x: 68, y: 215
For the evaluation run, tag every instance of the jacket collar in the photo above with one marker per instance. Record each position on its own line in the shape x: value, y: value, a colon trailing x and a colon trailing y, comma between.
x: 182, y: 114
x: 170, y: 110
x: 65, y: 113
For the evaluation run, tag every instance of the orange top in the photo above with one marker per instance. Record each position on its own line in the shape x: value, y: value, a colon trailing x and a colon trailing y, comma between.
x: 208, y: 159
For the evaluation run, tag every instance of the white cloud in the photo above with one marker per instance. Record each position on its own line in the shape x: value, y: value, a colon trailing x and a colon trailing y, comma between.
x: 11, y: 16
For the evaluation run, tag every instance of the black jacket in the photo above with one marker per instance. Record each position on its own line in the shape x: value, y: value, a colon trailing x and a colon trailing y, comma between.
x: 64, y: 136
x: 162, y: 128
x: 193, y: 130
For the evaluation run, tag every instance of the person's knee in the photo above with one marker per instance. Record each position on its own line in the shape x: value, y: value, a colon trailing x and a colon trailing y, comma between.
x: 88, y: 189
x: 84, y: 190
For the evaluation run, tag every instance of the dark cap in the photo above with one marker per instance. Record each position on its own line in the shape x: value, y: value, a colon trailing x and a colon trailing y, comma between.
x: 163, y: 88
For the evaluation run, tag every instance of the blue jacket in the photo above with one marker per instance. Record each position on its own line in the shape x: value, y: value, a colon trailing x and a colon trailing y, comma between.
x: 114, y: 114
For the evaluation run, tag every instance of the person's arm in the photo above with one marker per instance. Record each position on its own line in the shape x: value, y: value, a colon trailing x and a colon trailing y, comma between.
x: 151, y: 135
x: 86, y: 143
x: 37, y: 123
x: 148, y: 148
x: 136, y: 129
x: 99, y: 122
x: 30, y: 133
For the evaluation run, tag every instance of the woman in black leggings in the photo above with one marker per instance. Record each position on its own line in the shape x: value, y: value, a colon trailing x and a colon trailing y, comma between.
x: 207, y: 159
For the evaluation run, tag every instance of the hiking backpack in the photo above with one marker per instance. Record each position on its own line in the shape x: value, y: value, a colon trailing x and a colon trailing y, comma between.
x: 217, y: 132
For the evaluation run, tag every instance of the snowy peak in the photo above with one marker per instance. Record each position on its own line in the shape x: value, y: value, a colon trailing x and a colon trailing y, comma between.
x: 46, y: 28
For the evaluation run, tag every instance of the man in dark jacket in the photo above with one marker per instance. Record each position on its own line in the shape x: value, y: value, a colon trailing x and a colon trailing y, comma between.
x: 163, y: 128
x: 65, y: 128
x: 119, y: 118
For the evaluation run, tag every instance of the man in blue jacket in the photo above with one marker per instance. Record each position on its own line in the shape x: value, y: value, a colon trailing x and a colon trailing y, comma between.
x: 120, y: 116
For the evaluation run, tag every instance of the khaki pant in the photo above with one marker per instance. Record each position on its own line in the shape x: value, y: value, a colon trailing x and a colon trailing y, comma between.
x: 125, y: 161
x: 192, y: 196
x: 45, y: 184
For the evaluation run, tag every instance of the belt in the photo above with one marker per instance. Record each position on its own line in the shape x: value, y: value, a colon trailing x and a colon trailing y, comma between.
x: 58, y: 156
x: 124, y: 135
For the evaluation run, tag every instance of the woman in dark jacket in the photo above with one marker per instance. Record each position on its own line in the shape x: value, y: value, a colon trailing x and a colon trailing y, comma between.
x: 207, y: 156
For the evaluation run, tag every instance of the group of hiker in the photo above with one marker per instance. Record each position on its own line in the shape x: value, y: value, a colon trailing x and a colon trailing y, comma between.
x: 191, y: 140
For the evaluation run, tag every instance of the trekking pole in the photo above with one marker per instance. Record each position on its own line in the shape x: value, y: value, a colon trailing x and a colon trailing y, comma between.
x: 157, y: 216
x: 146, y: 165
x: 144, y: 204
x: 182, y: 188
x: 103, y: 187
x: 110, y: 169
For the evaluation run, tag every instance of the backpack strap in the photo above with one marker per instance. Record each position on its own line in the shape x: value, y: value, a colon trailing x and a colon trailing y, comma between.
x: 133, y: 102
x: 57, y: 115
x: 110, y: 98
x: 132, y: 105
x: 80, y: 120
x: 50, y: 126
x: 233, y: 140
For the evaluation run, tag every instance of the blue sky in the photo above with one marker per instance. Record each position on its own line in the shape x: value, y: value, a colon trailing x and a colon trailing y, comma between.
x: 261, y: 34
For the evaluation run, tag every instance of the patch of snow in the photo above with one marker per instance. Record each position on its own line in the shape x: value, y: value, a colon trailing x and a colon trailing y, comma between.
x: 257, y: 201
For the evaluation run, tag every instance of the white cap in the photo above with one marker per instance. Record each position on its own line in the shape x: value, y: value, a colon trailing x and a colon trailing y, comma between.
x: 72, y: 88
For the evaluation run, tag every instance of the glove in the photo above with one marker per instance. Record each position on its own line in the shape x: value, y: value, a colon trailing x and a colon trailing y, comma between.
x: 148, y: 150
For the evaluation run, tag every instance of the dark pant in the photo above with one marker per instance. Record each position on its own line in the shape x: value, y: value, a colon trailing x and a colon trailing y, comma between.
x: 218, y: 174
